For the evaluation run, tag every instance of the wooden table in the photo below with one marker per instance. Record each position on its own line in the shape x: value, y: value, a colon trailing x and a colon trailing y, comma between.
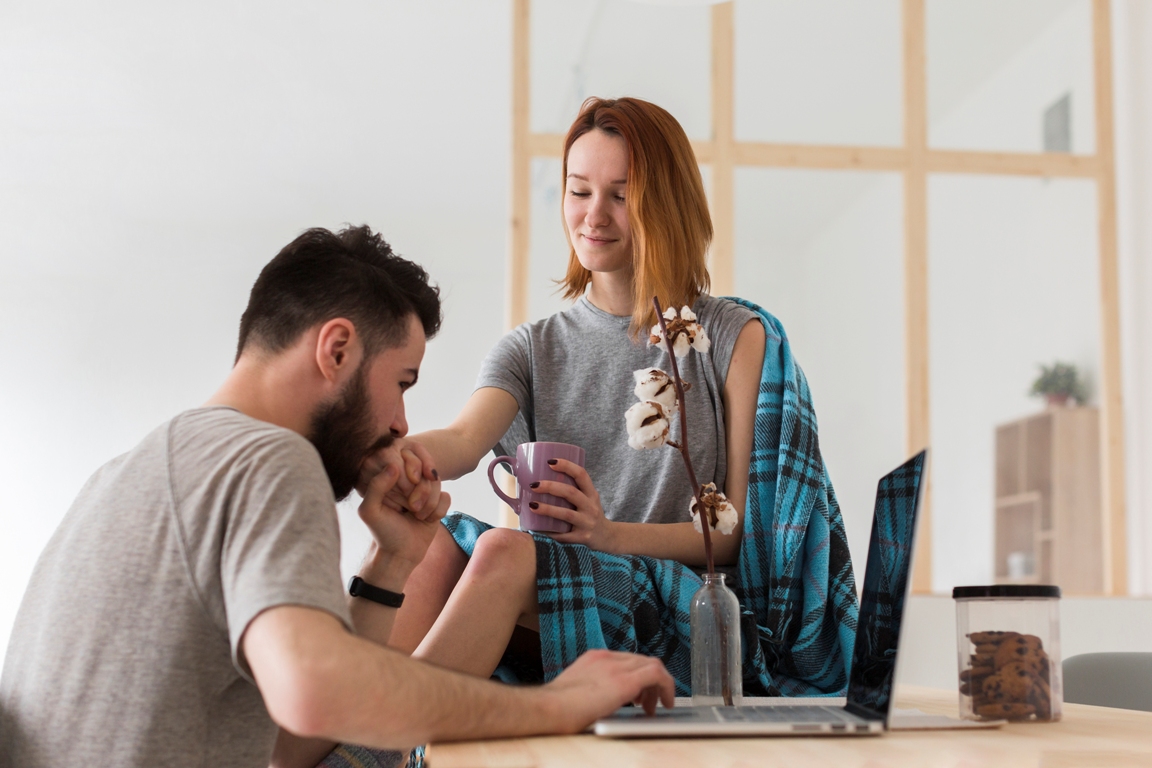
x: 1094, y: 737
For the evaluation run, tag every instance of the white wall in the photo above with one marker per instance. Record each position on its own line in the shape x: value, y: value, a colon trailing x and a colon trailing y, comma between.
x: 156, y: 157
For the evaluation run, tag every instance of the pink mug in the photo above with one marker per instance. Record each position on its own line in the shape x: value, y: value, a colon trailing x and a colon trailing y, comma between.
x: 531, y: 466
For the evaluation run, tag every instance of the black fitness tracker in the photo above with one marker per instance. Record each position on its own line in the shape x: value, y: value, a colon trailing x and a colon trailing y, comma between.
x: 360, y: 588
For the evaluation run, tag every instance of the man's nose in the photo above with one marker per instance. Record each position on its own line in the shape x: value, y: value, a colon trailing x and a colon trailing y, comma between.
x: 399, y: 426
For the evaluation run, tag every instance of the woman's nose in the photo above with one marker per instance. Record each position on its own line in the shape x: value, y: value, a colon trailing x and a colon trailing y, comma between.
x: 598, y: 213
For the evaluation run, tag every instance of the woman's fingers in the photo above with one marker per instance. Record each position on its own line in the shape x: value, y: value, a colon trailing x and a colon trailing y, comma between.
x: 571, y: 516
x: 560, y: 490
x: 577, y: 473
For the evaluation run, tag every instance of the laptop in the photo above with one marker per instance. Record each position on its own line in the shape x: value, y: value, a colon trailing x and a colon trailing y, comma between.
x: 868, y: 709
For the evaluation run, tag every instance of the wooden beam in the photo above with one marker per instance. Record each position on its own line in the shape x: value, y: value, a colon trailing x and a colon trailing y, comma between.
x: 723, y: 203
x: 1012, y: 163
x: 516, y: 305
x: 918, y: 434
x: 853, y: 158
x: 1111, y: 395
x: 552, y: 145
x: 821, y: 156
x: 519, y: 224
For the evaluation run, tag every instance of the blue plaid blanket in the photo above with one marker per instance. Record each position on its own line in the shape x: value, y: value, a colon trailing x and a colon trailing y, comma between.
x: 794, y: 576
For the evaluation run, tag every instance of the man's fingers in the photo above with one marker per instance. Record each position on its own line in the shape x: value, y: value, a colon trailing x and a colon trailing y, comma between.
x: 413, y: 466
x: 380, y: 485
x: 442, y: 507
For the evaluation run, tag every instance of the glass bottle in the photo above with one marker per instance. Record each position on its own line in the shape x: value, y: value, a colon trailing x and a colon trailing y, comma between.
x: 717, y: 679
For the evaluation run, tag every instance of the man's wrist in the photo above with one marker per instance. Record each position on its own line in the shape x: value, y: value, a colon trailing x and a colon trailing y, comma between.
x: 385, y: 571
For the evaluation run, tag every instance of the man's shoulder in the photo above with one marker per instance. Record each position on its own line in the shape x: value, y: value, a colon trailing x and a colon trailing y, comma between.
x: 216, y: 441
x: 220, y: 426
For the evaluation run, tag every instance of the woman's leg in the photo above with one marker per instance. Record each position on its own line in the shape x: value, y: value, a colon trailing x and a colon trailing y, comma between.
x: 427, y: 591
x: 496, y: 591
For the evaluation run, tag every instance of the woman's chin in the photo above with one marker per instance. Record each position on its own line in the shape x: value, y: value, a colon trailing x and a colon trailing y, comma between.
x: 602, y: 263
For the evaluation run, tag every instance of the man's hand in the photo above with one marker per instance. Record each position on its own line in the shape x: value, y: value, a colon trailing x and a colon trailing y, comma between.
x: 600, y: 682
x: 418, y: 484
x: 400, y: 537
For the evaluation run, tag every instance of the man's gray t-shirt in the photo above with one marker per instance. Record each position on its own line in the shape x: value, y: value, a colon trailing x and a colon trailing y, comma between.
x: 571, y: 375
x: 126, y: 648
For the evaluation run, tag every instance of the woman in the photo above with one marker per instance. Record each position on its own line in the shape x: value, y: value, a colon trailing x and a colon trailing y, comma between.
x: 637, y: 222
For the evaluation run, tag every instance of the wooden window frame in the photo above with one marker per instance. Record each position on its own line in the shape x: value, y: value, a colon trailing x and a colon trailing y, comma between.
x: 915, y: 160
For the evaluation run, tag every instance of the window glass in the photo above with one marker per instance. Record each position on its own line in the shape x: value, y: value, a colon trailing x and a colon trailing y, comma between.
x: 612, y: 48
x: 819, y: 72
x: 1013, y: 285
x: 823, y: 251
x: 1010, y: 75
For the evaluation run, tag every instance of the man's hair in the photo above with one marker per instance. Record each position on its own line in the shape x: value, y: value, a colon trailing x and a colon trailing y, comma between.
x: 351, y: 274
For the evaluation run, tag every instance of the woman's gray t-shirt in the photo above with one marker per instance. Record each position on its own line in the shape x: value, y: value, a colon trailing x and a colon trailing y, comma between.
x: 571, y: 375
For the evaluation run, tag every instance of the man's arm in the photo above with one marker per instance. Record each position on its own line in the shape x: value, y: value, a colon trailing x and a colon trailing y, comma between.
x: 320, y: 682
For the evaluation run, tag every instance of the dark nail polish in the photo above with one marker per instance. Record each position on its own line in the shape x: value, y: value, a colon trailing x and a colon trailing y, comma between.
x: 551, y: 462
x: 534, y: 485
x: 533, y: 505
x: 435, y: 475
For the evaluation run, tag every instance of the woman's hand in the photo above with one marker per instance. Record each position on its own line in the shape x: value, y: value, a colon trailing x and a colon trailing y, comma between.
x: 589, y: 525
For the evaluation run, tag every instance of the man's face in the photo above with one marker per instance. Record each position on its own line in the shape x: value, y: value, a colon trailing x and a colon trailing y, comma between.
x: 368, y: 414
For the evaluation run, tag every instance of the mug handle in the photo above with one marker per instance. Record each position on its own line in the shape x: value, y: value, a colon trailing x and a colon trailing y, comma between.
x: 514, y: 503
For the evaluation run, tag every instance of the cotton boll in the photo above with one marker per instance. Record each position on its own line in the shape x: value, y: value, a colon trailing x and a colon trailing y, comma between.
x: 647, y: 425
x: 725, y: 513
x: 726, y: 517
x: 682, y: 345
x: 687, y: 315
x: 653, y: 384
x: 701, y: 343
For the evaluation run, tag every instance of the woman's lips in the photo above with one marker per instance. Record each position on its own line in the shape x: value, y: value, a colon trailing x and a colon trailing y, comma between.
x: 599, y: 240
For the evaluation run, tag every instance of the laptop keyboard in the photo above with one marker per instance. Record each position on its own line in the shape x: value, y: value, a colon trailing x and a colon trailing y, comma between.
x: 783, y: 715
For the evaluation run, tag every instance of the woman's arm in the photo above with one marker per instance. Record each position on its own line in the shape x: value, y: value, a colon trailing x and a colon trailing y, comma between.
x: 458, y: 448
x: 676, y: 541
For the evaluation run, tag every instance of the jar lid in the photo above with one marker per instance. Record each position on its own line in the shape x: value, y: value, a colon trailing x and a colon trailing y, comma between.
x: 1007, y: 590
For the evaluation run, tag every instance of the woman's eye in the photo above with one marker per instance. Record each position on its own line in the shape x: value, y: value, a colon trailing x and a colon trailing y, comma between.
x: 574, y: 193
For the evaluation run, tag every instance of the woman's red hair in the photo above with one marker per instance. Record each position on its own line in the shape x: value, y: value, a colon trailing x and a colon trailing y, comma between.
x: 667, y: 208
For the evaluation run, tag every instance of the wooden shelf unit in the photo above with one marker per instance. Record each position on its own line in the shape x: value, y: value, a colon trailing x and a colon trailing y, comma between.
x: 1048, y: 500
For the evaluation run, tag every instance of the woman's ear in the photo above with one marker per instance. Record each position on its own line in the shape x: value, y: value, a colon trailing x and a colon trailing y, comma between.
x: 338, y: 350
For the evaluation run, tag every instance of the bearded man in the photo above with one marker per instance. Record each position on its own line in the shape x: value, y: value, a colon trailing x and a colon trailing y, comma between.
x: 189, y: 609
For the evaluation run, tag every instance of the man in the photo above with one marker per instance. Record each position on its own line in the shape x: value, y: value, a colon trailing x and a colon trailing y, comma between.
x: 190, y: 601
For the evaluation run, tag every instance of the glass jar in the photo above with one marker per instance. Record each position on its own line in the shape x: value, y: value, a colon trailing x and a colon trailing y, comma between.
x: 1008, y: 652
x: 717, y: 679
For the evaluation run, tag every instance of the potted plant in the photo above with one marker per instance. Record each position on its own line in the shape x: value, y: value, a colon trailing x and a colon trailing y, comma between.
x: 1058, y: 383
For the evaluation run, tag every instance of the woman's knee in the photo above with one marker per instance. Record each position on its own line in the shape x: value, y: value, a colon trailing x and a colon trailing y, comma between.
x: 504, y: 553
x: 445, y: 555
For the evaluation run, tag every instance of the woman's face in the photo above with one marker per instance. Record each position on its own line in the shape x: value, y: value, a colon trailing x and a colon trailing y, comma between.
x: 595, y: 210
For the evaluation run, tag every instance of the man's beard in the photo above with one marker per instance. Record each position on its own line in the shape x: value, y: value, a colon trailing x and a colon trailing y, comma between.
x: 343, y: 436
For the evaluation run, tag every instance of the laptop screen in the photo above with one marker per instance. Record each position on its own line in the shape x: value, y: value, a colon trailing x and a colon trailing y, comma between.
x: 886, y: 580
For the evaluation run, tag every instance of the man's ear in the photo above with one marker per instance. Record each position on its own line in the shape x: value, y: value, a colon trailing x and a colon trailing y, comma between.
x: 338, y: 350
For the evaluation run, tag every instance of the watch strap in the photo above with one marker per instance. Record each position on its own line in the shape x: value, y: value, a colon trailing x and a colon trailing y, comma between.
x: 360, y: 588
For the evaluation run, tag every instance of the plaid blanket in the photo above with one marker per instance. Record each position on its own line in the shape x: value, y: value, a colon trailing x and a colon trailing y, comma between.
x: 794, y: 576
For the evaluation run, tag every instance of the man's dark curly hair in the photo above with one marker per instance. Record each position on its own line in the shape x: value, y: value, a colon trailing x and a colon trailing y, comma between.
x: 323, y: 275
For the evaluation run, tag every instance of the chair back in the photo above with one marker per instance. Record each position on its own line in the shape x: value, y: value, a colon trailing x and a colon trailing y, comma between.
x: 1122, y: 680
